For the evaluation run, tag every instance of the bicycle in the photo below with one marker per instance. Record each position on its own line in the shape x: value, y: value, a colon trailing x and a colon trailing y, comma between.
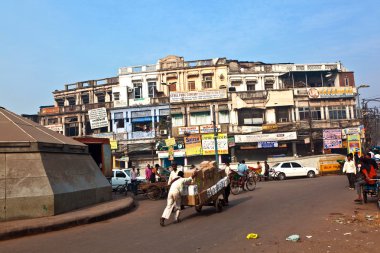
x: 239, y: 183
x: 123, y: 188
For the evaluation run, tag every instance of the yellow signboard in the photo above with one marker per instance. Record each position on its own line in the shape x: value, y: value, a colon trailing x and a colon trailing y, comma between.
x: 193, y: 145
x: 170, y: 142
x: 113, y: 144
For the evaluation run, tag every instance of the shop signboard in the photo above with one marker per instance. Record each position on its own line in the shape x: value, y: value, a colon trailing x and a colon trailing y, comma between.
x: 332, y: 134
x: 231, y: 141
x: 266, y: 137
x: 193, y: 145
x: 208, y: 144
x: 353, y: 144
x: 55, y: 128
x: 178, y: 97
x: 113, y: 144
x: 267, y: 144
x: 98, y: 118
x: 190, y: 130
x: 170, y: 142
x: 208, y: 129
x: 328, y: 144
x: 330, y: 92
x: 270, y: 127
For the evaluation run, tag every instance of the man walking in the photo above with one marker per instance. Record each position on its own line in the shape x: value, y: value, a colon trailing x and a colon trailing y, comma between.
x: 350, y: 169
x: 174, y: 197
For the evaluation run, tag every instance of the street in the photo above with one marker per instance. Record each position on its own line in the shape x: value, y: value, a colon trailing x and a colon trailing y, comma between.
x: 274, y: 210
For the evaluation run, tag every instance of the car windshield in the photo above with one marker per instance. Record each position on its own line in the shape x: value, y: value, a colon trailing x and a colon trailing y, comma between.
x: 274, y: 166
x: 128, y: 172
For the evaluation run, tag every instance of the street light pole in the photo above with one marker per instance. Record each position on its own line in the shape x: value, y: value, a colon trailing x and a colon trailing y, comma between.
x: 215, y: 136
x: 357, y: 90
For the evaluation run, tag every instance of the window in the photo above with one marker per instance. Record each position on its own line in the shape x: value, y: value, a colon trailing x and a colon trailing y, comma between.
x: 119, y: 120
x: 315, y: 113
x: 137, y: 90
x: 296, y: 165
x: 346, y: 81
x: 191, y: 85
x: 85, y: 99
x: 285, y: 165
x: 60, y: 102
x: 269, y: 85
x: 173, y: 86
x: 282, y: 114
x: 224, y: 117
x: 71, y: 100
x: 235, y: 83
x: 337, y: 112
x: 177, y: 120
x: 207, y: 82
x: 251, y: 85
x: 116, y: 96
x: 101, y: 98
x: 152, y: 89
x: 120, y: 174
x: 52, y: 121
x: 250, y: 117
x: 200, y: 118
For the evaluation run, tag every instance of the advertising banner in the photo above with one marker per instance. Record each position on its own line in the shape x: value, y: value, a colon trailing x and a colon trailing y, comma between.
x: 332, y: 134
x: 267, y: 144
x: 193, y: 145
x: 113, y: 144
x: 178, y: 97
x: 170, y: 142
x: 265, y: 137
x: 328, y: 144
x: 208, y: 144
x: 190, y: 130
x: 98, y: 118
x: 55, y: 128
x: 208, y: 129
x: 330, y: 92
x: 353, y: 144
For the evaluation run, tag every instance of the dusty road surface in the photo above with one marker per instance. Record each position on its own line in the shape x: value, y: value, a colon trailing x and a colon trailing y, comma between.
x: 320, y: 210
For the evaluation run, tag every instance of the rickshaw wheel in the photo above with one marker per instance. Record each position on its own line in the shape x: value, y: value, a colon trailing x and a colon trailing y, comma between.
x: 153, y: 192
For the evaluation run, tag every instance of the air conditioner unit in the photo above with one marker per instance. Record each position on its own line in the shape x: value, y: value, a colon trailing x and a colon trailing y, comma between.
x: 130, y: 90
x: 231, y: 89
x: 163, y: 132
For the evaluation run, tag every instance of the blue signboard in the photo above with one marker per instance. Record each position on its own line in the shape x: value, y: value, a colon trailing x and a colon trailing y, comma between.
x: 267, y: 144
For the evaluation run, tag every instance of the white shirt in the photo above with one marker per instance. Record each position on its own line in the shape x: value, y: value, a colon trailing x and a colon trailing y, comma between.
x: 349, y: 167
x: 173, y: 175
x: 178, y: 184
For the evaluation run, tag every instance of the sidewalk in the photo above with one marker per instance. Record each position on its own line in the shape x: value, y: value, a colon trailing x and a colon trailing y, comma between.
x: 99, y: 212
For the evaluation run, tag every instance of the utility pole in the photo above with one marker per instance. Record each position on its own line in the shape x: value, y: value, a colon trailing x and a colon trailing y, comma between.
x: 215, y: 136
x: 310, y: 121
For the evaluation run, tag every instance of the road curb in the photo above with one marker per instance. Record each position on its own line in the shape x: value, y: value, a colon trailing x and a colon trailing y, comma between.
x: 100, y: 212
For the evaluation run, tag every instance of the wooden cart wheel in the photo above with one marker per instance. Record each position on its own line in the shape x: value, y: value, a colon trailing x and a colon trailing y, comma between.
x: 198, y: 209
x: 153, y: 192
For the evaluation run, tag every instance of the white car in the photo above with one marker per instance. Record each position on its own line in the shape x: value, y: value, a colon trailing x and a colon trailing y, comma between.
x: 292, y: 169
x: 120, y: 176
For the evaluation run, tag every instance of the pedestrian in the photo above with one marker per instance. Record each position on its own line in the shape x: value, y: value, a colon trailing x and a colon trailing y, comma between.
x: 266, y: 171
x: 259, y: 168
x: 152, y: 177
x: 242, y: 168
x: 350, y: 169
x: 367, y: 173
x: 134, y: 180
x: 174, y: 197
x: 173, y: 173
x: 356, y: 159
x: 148, y: 172
x: 227, y: 190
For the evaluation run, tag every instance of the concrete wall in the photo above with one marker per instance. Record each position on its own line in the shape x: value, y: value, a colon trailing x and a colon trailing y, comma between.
x: 45, y: 184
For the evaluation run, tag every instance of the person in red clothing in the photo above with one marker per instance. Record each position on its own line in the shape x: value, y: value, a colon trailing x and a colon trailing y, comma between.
x: 367, y: 172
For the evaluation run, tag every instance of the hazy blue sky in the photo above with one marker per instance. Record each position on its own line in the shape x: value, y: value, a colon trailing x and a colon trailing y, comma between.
x: 46, y: 44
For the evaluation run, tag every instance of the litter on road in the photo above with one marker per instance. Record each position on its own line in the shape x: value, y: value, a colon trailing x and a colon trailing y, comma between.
x: 252, y: 236
x: 293, y: 238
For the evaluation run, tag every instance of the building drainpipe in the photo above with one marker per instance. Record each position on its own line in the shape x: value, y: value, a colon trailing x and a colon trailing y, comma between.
x: 215, y: 136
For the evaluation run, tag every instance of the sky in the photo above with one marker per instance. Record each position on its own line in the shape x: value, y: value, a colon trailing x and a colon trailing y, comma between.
x: 47, y: 44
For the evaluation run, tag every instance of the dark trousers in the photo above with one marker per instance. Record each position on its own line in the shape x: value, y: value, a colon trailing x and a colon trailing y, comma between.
x: 351, y: 179
x: 134, y: 186
x: 227, y: 192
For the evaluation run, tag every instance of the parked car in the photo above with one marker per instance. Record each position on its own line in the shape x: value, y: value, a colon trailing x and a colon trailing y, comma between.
x: 139, y: 178
x: 292, y: 169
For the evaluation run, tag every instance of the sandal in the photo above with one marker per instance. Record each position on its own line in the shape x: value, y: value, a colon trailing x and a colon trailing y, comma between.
x: 358, y: 200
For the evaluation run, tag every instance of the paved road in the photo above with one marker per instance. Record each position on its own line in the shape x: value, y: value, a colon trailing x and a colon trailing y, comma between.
x: 275, y: 210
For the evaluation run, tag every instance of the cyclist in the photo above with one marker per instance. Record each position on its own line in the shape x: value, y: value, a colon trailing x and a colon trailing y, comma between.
x: 242, y: 168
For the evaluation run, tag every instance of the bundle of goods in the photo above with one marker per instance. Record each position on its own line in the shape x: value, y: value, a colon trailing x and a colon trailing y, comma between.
x: 207, y: 182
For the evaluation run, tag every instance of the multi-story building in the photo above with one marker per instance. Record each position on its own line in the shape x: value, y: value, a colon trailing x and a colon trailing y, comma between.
x: 140, y: 113
x: 260, y: 109
x: 69, y: 115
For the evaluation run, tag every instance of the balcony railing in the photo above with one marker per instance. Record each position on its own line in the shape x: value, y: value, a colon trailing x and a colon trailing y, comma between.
x: 187, y: 64
x: 74, y: 108
x: 252, y: 94
x: 137, y: 69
